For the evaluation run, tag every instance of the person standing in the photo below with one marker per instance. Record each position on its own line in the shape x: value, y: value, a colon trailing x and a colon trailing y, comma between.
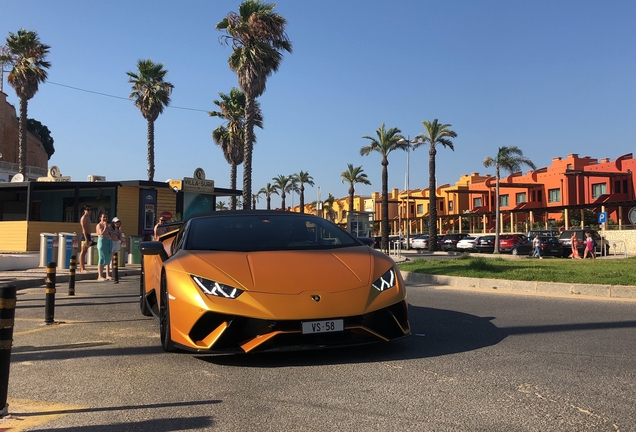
x: 116, y: 235
x: 536, y: 245
x: 589, y: 245
x: 574, y: 242
x: 159, y: 230
x: 85, y: 223
x: 104, y: 247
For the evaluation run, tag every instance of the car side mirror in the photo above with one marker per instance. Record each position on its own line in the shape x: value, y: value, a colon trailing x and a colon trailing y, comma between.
x: 153, y: 248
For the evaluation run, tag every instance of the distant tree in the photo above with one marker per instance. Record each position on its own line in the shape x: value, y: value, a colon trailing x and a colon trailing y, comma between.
x: 26, y: 55
x: 303, y: 178
x: 510, y: 159
x: 42, y: 133
x: 327, y: 208
x: 352, y: 176
x: 384, y: 143
x: 284, y: 185
x: 255, y: 198
x: 435, y: 134
x: 220, y: 205
x: 230, y: 136
x: 151, y: 94
x: 258, y: 39
x: 268, y: 191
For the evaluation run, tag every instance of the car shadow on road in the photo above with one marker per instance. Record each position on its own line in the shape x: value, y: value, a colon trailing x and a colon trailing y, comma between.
x: 434, y: 332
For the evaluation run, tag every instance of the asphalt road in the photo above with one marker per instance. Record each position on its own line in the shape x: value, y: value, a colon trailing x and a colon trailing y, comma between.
x: 476, y: 361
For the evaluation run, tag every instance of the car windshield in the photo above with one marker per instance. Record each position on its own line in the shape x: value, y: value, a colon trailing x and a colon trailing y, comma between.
x: 265, y: 232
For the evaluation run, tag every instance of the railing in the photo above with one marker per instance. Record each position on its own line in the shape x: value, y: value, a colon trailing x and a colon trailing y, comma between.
x: 395, y: 248
x: 618, y: 247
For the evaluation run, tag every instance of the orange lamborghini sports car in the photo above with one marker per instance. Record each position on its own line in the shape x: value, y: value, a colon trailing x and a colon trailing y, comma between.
x: 248, y: 281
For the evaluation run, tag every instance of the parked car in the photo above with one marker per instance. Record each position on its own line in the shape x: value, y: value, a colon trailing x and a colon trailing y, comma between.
x: 485, y: 244
x: 544, y: 233
x: 420, y: 242
x: 550, y: 246
x: 508, y: 241
x: 467, y: 244
x: 566, y: 236
x: 449, y: 241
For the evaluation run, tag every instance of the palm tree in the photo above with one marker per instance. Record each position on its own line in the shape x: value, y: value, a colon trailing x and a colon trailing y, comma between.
x: 221, y: 206
x: 510, y: 159
x: 258, y: 39
x: 26, y: 54
x: 327, y: 208
x: 230, y: 136
x: 385, y: 142
x: 283, y: 184
x: 268, y: 191
x: 352, y: 176
x: 255, y: 198
x: 151, y: 95
x: 435, y: 134
x: 303, y: 178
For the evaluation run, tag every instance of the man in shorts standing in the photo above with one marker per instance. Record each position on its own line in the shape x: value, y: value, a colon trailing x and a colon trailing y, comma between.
x: 85, y: 222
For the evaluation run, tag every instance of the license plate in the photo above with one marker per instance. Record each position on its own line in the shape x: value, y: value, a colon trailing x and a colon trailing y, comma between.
x: 322, y: 326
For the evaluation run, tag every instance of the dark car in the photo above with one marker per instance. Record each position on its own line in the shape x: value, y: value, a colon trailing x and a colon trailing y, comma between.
x: 367, y: 241
x: 566, y: 242
x: 550, y: 246
x: 485, y: 244
x: 449, y: 241
x: 544, y: 233
x: 508, y: 241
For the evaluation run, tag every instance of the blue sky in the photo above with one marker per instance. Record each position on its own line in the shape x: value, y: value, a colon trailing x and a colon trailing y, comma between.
x: 552, y: 77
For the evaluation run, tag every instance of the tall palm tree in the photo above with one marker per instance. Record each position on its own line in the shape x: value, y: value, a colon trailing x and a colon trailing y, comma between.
x: 352, y: 176
x: 258, y: 39
x: 230, y: 136
x: 268, y: 191
x: 436, y: 133
x: 26, y: 54
x: 510, y: 159
x: 255, y: 198
x: 220, y: 205
x: 303, y: 178
x: 151, y: 94
x: 284, y: 185
x: 384, y: 143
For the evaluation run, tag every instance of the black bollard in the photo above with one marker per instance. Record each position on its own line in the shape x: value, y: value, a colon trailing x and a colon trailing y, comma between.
x: 71, y: 276
x: 7, y: 314
x: 115, y: 269
x: 49, y: 303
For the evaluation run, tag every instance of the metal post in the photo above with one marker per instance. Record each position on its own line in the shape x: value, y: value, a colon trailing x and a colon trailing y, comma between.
x: 115, y: 268
x: 49, y: 303
x: 7, y: 314
x: 71, y: 275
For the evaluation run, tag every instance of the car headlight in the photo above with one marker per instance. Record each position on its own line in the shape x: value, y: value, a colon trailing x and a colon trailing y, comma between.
x: 386, y: 281
x: 216, y: 289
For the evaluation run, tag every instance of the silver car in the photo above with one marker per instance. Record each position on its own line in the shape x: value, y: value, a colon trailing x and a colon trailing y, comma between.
x: 467, y: 244
x: 420, y: 242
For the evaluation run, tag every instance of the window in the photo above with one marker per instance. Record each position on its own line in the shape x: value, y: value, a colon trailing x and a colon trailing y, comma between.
x: 554, y: 195
x: 344, y: 214
x: 617, y: 186
x: 420, y: 209
x: 450, y: 206
x: 540, y: 196
x: 441, y: 205
x: 598, y: 189
x: 521, y: 198
x: 476, y: 202
x: 503, y: 201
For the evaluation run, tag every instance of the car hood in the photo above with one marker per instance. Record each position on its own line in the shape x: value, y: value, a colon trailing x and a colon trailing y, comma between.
x: 289, y: 272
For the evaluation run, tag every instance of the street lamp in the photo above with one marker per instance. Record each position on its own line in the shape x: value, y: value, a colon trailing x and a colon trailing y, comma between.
x: 408, y: 194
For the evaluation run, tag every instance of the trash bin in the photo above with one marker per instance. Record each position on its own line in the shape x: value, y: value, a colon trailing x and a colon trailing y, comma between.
x: 67, y: 247
x: 92, y: 255
x: 134, y: 257
x: 122, y: 256
x: 48, y: 248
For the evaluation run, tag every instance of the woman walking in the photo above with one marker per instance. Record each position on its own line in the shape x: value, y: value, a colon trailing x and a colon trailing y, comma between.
x: 574, y: 242
x: 589, y: 245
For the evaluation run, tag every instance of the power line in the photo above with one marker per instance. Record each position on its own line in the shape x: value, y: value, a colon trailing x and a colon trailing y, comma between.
x: 118, y: 97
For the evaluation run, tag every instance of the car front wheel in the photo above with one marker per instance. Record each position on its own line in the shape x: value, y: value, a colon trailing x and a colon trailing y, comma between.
x: 164, y: 318
x: 515, y: 252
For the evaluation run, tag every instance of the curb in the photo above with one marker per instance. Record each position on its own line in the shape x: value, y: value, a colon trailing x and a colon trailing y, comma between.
x: 59, y: 279
x: 606, y: 291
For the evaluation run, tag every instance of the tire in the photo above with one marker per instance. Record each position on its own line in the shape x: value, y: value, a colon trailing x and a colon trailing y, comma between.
x: 164, y: 318
x: 514, y: 251
x: 143, y: 304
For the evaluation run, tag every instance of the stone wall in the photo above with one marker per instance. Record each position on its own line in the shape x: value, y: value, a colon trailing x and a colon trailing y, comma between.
x: 9, y: 129
x: 623, y: 238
